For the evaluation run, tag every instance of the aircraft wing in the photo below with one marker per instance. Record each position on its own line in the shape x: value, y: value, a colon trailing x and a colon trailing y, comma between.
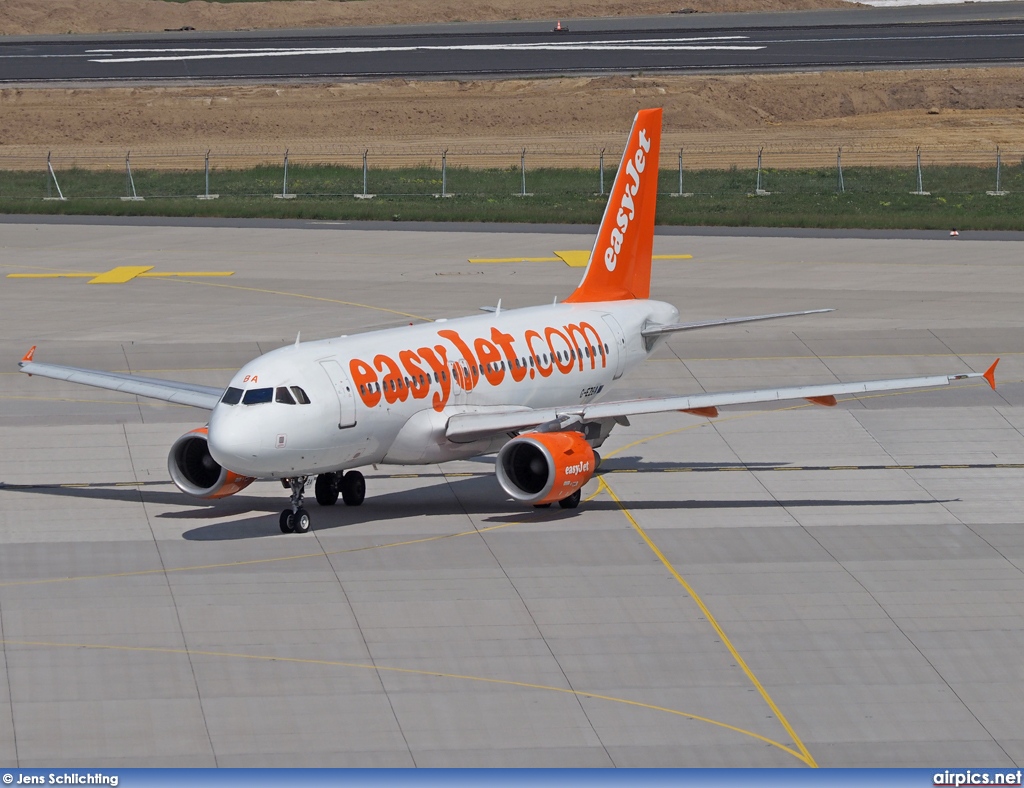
x: 467, y: 427
x: 167, y: 390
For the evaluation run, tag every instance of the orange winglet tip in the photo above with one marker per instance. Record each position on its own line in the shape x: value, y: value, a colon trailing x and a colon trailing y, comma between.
x: 708, y: 413
x: 28, y: 356
x: 828, y: 400
x: 990, y: 374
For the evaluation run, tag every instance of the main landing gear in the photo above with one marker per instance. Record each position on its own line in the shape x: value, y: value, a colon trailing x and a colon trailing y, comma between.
x: 351, y: 487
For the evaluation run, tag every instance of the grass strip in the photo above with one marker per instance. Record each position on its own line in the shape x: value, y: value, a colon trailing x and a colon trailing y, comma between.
x: 873, y: 197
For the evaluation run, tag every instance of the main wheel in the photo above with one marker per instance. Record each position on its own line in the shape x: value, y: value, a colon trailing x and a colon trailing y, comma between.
x: 572, y: 501
x: 301, y: 521
x: 597, y: 461
x: 286, y: 522
x: 353, y: 488
x: 327, y: 489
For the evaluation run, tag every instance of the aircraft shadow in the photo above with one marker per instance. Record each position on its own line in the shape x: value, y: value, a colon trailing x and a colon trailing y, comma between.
x: 643, y: 466
x: 474, y: 496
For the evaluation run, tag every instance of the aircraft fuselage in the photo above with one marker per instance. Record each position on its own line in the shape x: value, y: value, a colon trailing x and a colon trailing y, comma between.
x: 386, y: 396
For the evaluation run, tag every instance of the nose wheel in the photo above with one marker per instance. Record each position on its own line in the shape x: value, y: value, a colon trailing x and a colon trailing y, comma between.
x: 295, y: 519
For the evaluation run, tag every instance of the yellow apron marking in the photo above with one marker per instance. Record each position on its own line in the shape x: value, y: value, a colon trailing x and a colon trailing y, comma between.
x: 804, y: 754
x: 574, y: 259
x: 299, y: 295
x: 407, y: 671
x: 119, y: 275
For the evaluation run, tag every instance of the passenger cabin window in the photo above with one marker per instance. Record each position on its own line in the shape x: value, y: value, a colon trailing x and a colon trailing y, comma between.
x: 257, y: 396
x: 300, y: 395
x: 232, y: 396
x: 283, y: 396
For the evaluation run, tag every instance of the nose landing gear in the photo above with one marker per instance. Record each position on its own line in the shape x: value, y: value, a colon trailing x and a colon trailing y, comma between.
x: 351, y: 487
x: 295, y: 519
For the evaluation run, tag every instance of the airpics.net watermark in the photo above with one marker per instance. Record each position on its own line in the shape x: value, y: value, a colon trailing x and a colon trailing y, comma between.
x: 968, y: 777
x: 62, y: 778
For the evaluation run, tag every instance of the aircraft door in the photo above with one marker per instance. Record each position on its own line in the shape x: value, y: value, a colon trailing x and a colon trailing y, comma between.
x: 461, y: 381
x: 343, y: 388
x: 618, y: 345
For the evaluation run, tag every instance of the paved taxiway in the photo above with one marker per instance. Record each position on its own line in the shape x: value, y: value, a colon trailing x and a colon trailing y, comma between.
x: 838, y: 586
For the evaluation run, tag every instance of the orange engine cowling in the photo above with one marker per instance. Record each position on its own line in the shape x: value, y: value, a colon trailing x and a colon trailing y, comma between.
x: 195, y: 472
x: 544, y: 467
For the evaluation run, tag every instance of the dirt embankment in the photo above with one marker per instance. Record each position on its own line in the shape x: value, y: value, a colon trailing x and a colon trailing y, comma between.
x: 951, y: 108
x: 49, y: 17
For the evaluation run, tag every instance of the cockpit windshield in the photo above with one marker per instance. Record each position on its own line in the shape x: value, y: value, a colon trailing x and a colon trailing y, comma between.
x: 282, y: 394
x: 257, y: 396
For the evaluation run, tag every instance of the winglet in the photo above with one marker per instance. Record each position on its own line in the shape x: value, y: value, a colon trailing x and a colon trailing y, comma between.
x: 990, y: 374
x: 28, y: 356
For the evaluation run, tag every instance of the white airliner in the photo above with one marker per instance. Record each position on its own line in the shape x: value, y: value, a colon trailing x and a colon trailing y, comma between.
x: 525, y: 383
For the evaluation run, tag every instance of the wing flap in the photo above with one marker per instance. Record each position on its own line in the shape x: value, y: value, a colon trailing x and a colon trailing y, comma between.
x: 468, y: 427
x: 172, y: 391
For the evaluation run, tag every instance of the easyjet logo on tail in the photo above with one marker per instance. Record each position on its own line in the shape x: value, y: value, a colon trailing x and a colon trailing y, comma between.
x: 620, y: 262
x: 627, y: 208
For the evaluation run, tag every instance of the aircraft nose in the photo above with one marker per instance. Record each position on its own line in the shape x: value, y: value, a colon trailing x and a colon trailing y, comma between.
x: 233, y: 443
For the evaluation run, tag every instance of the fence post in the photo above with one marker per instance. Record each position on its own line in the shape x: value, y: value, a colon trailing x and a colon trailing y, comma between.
x: 522, y: 171
x: 366, y: 177
x: 999, y: 162
x: 920, y: 184
x: 284, y: 195
x: 206, y: 168
x: 129, y: 181
x: 759, y: 191
x: 681, y: 193
x: 53, y: 175
x: 444, y: 175
x: 601, y: 168
x: 839, y: 166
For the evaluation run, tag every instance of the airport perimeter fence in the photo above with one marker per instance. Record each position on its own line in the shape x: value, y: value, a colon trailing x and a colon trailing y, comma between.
x: 482, y: 173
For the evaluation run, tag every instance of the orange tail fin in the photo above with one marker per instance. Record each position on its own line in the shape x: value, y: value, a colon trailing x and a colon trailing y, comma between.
x: 620, y: 264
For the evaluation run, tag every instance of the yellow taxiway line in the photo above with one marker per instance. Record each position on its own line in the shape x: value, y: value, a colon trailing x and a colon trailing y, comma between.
x: 118, y: 275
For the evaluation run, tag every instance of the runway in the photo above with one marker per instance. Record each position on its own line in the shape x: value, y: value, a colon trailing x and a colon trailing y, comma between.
x: 800, y: 586
x: 880, y: 38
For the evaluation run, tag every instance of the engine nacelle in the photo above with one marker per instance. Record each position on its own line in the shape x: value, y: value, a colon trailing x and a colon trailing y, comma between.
x: 195, y: 472
x: 544, y: 467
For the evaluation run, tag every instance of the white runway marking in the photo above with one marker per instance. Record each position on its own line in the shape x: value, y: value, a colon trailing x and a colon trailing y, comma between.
x: 647, y: 45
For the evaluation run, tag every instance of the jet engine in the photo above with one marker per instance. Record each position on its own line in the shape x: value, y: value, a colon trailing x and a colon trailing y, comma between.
x: 195, y: 472
x: 543, y: 467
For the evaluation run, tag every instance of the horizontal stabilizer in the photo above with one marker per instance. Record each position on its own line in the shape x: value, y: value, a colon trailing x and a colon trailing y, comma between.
x: 671, y: 328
